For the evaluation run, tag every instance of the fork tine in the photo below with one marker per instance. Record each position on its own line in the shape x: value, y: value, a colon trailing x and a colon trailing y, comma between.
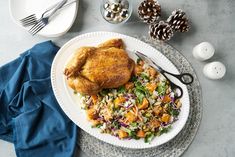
x: 139, y: 55
x: 36, y: 28
x: 143, y: 57
x: 39, y: 28
x: 30, y: 22
x: 28, y: 17
x: 31, y: 31
x: 25, y: 21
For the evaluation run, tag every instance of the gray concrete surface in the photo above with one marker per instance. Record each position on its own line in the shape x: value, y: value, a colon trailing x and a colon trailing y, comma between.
x: 212, y: 20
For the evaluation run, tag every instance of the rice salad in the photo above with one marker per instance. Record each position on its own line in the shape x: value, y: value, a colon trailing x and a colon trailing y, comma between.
x: 144, y: 107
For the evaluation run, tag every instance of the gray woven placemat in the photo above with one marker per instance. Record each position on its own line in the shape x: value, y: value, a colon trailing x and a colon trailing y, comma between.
x: 174, y: 148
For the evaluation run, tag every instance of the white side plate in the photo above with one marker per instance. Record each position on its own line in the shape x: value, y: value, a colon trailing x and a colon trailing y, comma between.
x: 70, y: 102
x: 59, y: 25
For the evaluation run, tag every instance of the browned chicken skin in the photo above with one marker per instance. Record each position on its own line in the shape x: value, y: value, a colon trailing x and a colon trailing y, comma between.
x: 93, y: 68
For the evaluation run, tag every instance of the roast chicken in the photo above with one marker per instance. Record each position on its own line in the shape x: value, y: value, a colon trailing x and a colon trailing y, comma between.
x: 93, y: 68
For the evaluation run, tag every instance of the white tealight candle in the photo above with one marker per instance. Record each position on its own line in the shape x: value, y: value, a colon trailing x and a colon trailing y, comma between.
x: 214, y: 70
x: 203, y: 51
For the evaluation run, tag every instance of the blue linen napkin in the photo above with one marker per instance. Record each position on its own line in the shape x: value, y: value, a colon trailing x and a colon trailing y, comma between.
x: 30, y: 116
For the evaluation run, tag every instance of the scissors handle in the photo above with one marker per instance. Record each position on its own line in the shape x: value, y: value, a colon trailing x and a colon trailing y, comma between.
x: 175, y: 88
x: 185, y: 78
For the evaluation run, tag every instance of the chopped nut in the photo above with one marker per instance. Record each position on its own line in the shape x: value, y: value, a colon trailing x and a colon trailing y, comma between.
x: 129, y: 85
x: 167, y: 91
x: 155, y: 123
x: 157, y: 103
x: 157, y: 110
x: 107, y: 114
x: 95, y: 122
x: 152, y: 72
x: 178, y: 104
x: 177, y: 100
x: 138, y: 69
x: 146, y: 130
x: 94, y: 99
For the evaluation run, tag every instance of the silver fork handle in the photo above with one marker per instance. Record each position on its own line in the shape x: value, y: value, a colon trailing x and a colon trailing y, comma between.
x: 56, y: 8
x: 54, y: 5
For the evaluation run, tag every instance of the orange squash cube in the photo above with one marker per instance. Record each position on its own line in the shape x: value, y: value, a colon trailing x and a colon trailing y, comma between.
x: 166, y: 99
x: 119, y: 101
x: 166, y: 118
x: 151, y: 87
x: 122, y: 134
x: 131, y: 117
x: 140, y: 134
x: 144, y: 104
x: 91, y: 114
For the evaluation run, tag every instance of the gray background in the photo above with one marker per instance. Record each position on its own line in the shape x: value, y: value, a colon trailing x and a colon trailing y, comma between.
x: 212, y: 20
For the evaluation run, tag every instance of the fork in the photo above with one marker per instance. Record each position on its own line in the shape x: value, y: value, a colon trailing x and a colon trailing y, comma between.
x: 43, y: 21
x: 32, y: 19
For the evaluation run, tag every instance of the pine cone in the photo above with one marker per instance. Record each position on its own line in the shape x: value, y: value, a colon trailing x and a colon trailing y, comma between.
x: 149, y: 11
x: 161, y: 31
x: 178, y: 21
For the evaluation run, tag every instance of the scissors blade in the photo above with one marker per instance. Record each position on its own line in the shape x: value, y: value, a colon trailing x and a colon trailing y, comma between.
x: 149, y: 61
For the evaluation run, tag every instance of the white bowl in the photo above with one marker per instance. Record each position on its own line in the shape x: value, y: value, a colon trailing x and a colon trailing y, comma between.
x: 70, y: 103
x: 59, y: 25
